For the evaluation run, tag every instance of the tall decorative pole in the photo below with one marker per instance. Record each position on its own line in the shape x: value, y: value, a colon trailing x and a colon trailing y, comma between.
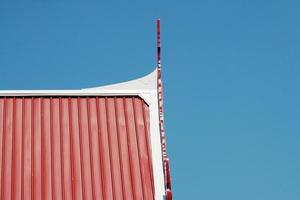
x: 158, y: 43
x: 161, y: 119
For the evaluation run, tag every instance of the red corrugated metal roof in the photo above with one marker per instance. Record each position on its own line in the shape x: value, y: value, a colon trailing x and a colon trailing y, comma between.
x: 75, y: 148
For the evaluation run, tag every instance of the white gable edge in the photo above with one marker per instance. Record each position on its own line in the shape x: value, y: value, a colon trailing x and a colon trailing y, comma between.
x: 139, y: 87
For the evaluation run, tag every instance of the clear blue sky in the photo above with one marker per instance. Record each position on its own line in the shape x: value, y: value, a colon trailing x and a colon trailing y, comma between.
x: 231, y: 75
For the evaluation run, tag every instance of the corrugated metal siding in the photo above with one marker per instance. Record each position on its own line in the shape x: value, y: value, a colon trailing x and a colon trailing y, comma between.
x: 75, y: 148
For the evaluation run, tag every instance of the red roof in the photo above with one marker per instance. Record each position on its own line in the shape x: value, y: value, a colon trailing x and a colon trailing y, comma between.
x: 75, y: 148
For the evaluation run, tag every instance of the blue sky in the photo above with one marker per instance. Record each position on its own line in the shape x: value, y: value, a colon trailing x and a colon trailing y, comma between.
x: 231, y: 80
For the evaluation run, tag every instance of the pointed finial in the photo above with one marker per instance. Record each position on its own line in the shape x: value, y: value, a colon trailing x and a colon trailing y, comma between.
x: 158, y: 42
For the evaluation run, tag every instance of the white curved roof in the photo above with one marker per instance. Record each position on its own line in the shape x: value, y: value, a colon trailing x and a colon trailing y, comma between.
x: 141, y: 87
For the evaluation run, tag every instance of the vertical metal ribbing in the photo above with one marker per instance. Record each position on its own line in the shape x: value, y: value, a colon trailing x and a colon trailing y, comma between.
x: 36, y: 124
x: 42, y: 148
x: 37, y: 151
x: 109, y: 149
x: 61, y: 147
x: 148, y: 147
x: 128, y: 148
x: 100, y: 150
x: 52, y: 149
x: 119, y: 147
x: 32, y: 148
x: 2, y: 143
x: 71, y: 147
x: 138, y: 146
x: 80, y: 147
x: 13, y: 149
x: 23, y: 146
x: 90, y: 148
x: 3, y: 147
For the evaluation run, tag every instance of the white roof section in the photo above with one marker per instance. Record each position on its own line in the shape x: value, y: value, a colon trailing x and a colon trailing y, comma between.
x: 141, y: 87
x: 146, y: 88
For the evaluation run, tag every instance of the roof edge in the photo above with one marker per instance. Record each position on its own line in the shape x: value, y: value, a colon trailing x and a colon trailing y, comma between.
x: 138, y: 87
x: 148, y: 82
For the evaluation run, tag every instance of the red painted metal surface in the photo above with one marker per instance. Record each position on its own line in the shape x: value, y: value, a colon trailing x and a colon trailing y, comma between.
x: 75, y: 148
x: 161, y: 118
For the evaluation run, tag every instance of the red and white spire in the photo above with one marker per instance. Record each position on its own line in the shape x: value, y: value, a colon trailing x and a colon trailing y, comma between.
x: 161, y: 118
